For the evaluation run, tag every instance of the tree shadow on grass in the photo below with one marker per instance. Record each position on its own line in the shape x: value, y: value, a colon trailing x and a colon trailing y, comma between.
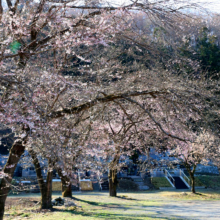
x: 126, y: 198
x: 113, y: 216
x: 116, y: 211
x: 200, y: 194
x: 114, y: 205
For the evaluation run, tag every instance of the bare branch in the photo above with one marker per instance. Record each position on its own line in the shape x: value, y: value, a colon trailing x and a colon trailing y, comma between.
x: 156, y: 122
x: 107, y: 98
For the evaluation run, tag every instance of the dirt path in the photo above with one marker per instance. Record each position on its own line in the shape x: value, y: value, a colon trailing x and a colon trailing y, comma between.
x: 202, y: 210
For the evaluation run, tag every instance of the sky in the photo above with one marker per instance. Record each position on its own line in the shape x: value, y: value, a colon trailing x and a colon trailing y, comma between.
x: 213, y: 5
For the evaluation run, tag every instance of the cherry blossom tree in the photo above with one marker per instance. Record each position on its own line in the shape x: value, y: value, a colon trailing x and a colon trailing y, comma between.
x: 37, y: 41
x: 30, y: 33
x: 192, y: 154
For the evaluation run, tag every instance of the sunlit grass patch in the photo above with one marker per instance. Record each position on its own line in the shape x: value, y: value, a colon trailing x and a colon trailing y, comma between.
x: 187, y: 195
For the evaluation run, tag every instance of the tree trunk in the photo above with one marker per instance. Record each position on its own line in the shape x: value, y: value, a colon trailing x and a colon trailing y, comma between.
x: 193, y: 190
x: 192, y: 177
x: 66, y: 184
x: 46, y: 194
x: 45, y: 188
x: 14, y: 155
x: 113, y: 182
x: 67, y: 190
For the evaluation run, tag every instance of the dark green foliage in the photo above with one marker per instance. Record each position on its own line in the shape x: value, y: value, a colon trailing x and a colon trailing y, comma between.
x: 15, y: 46
x: 205, y: 50
x: 210, y: 181
x: 126, y: 184
x: 134, y: 157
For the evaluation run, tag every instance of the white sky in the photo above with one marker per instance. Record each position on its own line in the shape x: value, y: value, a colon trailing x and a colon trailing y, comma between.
x: 213, y: 5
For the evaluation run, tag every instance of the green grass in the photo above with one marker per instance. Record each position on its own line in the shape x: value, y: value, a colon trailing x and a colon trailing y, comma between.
x: 160, y: 182
x: 25, y: 215
x: 210, y: 181
x: 99, y: 206
x: 163, y: 182
x: 198, y: 182
x: 95, y: 206
x: 201, y: 195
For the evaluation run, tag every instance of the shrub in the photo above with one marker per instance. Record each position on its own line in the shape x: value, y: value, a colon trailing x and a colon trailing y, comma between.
x: 210, y: 181
x: 198, y: 182
x: 125, y: 184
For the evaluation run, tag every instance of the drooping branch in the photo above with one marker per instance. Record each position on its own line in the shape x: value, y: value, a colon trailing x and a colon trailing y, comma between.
x: 107, y: 98
x: 156, y: 122
x: 1, y: 10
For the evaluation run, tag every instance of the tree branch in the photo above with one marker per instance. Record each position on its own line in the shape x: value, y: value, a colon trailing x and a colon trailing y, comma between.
x: 155, y: 121
x: 107, y: 98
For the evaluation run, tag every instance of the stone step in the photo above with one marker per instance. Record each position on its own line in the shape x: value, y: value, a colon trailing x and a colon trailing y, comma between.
x: 143, y: 187
x: 138, y: 180
x: 140, y: 183
x: 105, y: 188
x: 135, y: 177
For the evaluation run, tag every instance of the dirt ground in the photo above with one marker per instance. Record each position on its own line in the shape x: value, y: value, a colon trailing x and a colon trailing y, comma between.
x: 22, y: 202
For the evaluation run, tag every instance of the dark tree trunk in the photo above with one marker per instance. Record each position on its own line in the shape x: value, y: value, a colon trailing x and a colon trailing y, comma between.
x: 66, y: 184
x: 112, y: 175
x: 45, y: 188
x: 192, y: 177
x: 46, y: 194
x: 14, y: 155
x: 193, y: 190
x: 113, y: 182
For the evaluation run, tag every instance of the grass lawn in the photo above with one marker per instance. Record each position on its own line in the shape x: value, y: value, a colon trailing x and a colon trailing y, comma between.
x: 210, y: 181
x: 198, y: 182
x: 201, y: 194
x: 90, y: 206
x: 163, y: 182
x: 98, y: 205
x: 160, y: 182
